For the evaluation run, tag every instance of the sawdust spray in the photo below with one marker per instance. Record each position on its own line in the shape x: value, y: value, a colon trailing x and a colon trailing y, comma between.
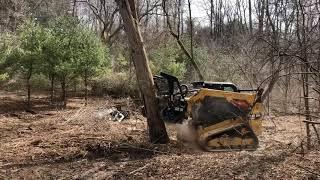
x: 188, y: 135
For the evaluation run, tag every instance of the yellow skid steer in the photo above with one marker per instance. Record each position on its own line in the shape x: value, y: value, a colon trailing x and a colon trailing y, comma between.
x: 223, y: 117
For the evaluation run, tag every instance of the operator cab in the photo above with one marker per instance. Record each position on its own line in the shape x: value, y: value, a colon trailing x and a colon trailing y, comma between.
x: 173, y: 96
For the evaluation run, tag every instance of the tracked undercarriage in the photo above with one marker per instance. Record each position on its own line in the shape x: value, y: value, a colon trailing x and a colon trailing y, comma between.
x: 223, y: 117
x: 237, y: 136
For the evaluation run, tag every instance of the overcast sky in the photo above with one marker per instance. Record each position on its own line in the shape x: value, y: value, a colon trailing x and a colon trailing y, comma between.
x: 197, y: 7
x: 198, y: 11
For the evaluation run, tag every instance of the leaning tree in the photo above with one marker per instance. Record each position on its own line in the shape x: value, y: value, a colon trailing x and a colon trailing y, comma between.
x: 157, y: 130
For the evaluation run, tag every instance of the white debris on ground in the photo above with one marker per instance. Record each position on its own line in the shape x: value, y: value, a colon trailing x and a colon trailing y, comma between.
x: 113, y: 114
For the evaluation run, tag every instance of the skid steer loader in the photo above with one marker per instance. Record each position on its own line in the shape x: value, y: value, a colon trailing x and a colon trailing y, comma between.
x: 223, y: 117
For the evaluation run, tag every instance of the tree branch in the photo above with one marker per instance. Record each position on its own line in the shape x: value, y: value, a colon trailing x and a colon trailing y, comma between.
x: 176, y: 36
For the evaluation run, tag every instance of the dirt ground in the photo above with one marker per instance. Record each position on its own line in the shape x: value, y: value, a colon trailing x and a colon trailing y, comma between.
x: 83, y: 143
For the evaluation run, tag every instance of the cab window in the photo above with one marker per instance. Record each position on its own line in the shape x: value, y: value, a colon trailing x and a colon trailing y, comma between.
x: 226, y: 88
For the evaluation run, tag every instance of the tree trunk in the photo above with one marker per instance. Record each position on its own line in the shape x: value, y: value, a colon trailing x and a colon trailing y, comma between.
x: 302, y: 40
x: 75, y: 88
x: 28, y: 92
x: 305, y: 85
x: 64, y: 93
x: 86, y: 89
x: 146, y: 22
x: 52, y: 90
x: 179, y: 18
x: 157, y: 129
x: 157, y: 20
x: 261, y: 8
x: 318, y: 84
x: 211, y: 18
x: 286, y: 92
x: 220, y: 19
x: 318, y: 68
x: 191, y: 30
x: 74, y: 8
x: 182, y: 20
x: 250, y: 17
x: 29, y: 86
x: 239, y: 12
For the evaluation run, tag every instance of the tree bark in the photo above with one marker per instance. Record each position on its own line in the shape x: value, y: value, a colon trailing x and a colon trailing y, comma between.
x: 28, y: 92
x: 86, y: 88
x: 157, y: 129
x: 52, y: 90
x: 157, y: 20
x: 74, y: 8
x: 191, y: 30
x: 64, y: 93
x: 250, y: 17
x: 179, y: 18
x: 211, y: 18
x: 261, y: 7
x: 29, y: 86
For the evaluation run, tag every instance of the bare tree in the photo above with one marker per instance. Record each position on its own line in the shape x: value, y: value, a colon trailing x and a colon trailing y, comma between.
x: 106, y: 14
